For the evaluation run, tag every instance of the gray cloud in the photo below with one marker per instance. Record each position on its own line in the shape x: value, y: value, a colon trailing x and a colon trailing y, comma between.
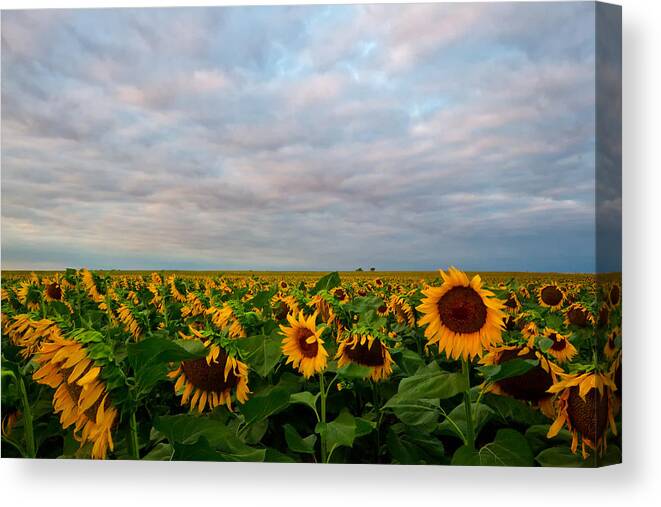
x: 406, y: 137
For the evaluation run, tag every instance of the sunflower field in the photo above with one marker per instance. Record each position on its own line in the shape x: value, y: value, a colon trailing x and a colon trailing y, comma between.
x: 364, y: 367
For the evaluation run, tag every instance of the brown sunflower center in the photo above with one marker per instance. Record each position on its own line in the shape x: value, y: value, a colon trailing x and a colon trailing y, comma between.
x: 462, y: 310
x: 558, y: 343
x: 281, y: 310
x: 603, y: 317
x: 590, y: 415
x: 532, y: 385
x: 551, y: 295
x: 340, y: 295
x: 54, y: 291
x: 382, y: 309
x: 578, y: 317
x: 511, y: 302
x: 307, y: 349
x: 364, y: 355
x: 614, y: 295
x: 210, y: 377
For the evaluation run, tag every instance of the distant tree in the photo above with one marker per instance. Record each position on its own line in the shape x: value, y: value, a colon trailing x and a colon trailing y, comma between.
x: 359, y: 269
x: 372, y: 269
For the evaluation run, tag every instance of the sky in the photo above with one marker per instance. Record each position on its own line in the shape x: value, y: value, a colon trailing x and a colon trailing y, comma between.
x: 403, y: 137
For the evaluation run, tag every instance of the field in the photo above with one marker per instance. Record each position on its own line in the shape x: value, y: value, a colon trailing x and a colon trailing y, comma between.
x: 517, y: 369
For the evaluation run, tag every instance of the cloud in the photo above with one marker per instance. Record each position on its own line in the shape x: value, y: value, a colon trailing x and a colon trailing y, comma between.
x: 317, y: 137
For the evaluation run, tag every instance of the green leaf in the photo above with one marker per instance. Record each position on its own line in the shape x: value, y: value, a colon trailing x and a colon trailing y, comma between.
x: 275, y: 456
x: 328, y: 282
x: 262, y: 352
x: 545, y: 343
x: 513, y: 410
x: 429, y: 383
x: 263, y: 299
x: 297, y: 443
x: 364, y: 427
x: 561, y: 456
x: 612, y: 456
x: 410, y: 447
x: 305, y: 398
x: 149, y: 359
x: 481, y: 415
x: 509, y: 448
x: 160, y: 452
x: 417, y: 400
x: 354, y: 371
x: 340, y: 432
x: 265, y: 404
x: 409, y: 361
x: 203, y: 438
x: 162, y: 350
x: 553, y: 320
x: 512, y: 368
x: 198, y: 451
x: 423, y: 414
x: 536, y: 436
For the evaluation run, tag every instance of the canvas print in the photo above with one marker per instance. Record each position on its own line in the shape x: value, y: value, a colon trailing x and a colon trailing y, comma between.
x: 373, y: 234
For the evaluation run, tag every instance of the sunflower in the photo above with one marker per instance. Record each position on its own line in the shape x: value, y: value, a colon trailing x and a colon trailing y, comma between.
x: 208, y: 381
x: 90, y: 285
x: 511, y: 322
x: 461, y: 316
x: 378, y: 282
x: 531, y: 386
x: 28, y: 295
x: 340, y: 295
x: 524, y: 292
x: 131, y: 325
x: 562, y: 349
x: 530, y: 330
x: 80, y: 396
x: 53, y: 289
x: 578, y: 315
x: 604, y: 316
x: 8, y: 422
x: 585, y: 405
x: 616, y: 375
x: 402, y: 310
x: 611, y: 348
x: 193, y: 307
x: 383, y: 309
x: 323, y: 308
x: 365, y: 350
x: 28, y: 334
x: 614, y: 295
x: 512, y: 303
x: 177, y: 295
x: 551, y: 296
x: 282, y: 306
x: 303, y: 345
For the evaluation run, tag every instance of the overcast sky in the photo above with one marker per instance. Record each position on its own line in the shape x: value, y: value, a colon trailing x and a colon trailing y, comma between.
x: 401, y: 137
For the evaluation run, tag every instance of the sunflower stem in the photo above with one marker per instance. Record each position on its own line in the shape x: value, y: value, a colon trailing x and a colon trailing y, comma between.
x: 470, y: 429
x: 322, y: 393
x: 30, y: 446
x: 133, y: 430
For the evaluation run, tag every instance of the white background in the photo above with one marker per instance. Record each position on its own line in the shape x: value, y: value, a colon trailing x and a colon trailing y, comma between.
x: 636, y: 482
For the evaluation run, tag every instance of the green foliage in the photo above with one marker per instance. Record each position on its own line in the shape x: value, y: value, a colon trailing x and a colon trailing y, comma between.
x: 509, y: 448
